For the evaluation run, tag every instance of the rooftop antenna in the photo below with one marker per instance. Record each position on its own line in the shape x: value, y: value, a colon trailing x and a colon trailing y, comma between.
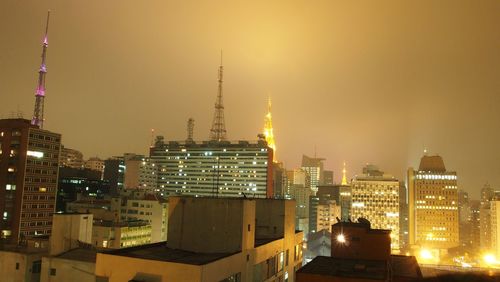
x: 152, y: 137
x: 38, y: 118
x: 190, y: 130
x: 218, y: 131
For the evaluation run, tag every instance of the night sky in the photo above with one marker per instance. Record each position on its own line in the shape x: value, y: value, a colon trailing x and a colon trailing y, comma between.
x: 362, y: 81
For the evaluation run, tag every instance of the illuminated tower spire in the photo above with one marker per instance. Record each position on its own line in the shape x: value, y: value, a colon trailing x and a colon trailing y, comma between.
x: 268, y: 130
x: 344, y: 177
x: 40, y: 89
x: 218, y: 131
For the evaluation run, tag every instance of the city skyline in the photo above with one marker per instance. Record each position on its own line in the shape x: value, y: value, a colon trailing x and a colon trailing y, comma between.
x: 382, y: 104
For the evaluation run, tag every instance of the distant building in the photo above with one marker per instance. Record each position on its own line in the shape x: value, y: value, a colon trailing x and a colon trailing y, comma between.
x: 29, y: 161
x: 74, y: 183
x: 487, y: 195
x: 114, y: 173
x: 327, y: 214
x: 262, y: 246
x: 123, y: 234
x: 95, y: 164
x: 360, y: 253
x: 226, y: 169
x: 375, y: 196
x: 314, y: 167
x: 433, y: 205
x: 327, y: 178
x: 71, y: 158
x: 495, y: 227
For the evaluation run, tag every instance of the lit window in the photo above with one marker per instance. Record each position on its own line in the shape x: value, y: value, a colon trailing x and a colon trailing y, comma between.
x: 42, y: 189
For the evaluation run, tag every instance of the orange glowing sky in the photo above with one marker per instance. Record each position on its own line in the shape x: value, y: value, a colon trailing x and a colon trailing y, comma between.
x: 362, y: 81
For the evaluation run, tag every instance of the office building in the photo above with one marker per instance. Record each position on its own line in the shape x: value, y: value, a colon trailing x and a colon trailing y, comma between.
x: 263, y: 244
x: 375, y: 196
x: 433, y: 206
x: 71, y: 158
x: 114, y: 173
x: 29, y: 161
x: 123, y: 234
x: 224, y: 169
x: 313, y: 167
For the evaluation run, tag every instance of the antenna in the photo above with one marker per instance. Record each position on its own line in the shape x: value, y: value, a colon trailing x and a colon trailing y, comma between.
x: 190, y: 130
x: 38, y: 118
x: 218, y: 131
x: 152, y: 137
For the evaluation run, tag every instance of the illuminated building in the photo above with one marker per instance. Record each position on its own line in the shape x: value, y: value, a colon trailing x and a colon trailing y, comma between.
x: 433, y: 205
x: 314, y: 167
x: 214, y: 239
x: 123, y: 234
x: 114, y: 173
x: 226, y: 169
x: 268, y: 130
x: 29, y: 161
x: 375, y: 196
x: 360, y: 253
x: 327, y: 214
x: 140, y: 172
x: 487, y: 195
x: 495, y: 227
x: 70, y: 158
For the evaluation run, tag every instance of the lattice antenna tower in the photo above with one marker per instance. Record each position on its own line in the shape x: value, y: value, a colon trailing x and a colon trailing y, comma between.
x: 38, y: 118
x: 218, y: 131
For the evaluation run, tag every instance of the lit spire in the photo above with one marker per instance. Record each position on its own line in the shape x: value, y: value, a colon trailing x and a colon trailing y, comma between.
x: 218, y: 131
x: 40, y: 89
x: 268, y: 130
x: 344, y: 177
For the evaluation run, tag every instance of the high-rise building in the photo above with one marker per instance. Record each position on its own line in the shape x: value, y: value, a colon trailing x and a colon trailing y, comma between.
x: 475, y: 224
x: 114, y: 173
x: 375, y: 196
x: 327, y: 214
x: 326, y: 178
x: 314, y: 167
x: 433, y: 205
x: 228, y: 169
x: 487, y: 195
x: 71, y: 158
x: 29, y: 161
x: 495, y: 227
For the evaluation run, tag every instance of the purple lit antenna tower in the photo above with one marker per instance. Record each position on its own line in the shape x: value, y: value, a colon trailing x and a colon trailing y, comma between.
x: 40, y: 89
x: 218, y: 131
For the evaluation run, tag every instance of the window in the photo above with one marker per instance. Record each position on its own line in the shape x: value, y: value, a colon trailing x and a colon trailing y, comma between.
x: 17, y: 266
x: 36, y: 267
x: 52, y: 272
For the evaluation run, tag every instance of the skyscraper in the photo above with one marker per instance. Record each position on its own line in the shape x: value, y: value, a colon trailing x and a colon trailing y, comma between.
x: 228, y: 169
x: 433, y: 205
x: 375, y: 196
x: 314, y: 167
x: 29, y: 161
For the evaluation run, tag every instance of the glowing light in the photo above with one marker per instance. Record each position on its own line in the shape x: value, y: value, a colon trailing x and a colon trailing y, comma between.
x: 344, y: 178
x: 268, y: 131
x: 341, y: 238
x: 490, y: 259
x: 426, y: 254
x: 35, y: 154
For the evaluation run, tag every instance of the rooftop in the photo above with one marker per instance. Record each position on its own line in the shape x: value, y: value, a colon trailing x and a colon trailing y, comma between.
x: 160, y: 252
x: 352, y: 268
x: 432, y: 163
x: 80, y: 254
x: 210, y: 144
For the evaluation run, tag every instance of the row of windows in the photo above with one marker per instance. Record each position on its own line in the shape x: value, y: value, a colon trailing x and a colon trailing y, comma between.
x: 44, y: 137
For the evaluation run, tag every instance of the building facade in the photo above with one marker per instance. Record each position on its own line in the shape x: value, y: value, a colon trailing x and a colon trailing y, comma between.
x: 29, y: 161
x: 71, y: 158
x: 433, y: 205
x: 228, y: 169
x: 375, y: 196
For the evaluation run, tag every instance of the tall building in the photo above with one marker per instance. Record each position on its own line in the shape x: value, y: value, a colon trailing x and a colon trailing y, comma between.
x: 487, y: 195
x: 227, y: 169
x: 29, y: 161
x: 433, y: 205
x: 114, y: 173
x: 71, y: 158
x: 375, y: 196
x: 495, y: 227
x: 314, y: 167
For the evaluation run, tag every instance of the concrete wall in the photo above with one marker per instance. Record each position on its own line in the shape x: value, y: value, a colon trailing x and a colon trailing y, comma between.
x: 360, y: 243
x: 269, y: 218
x: 205, y: 225
x: 67, y: 270
x: 68, y: 229
x: 24, y: 273
x: 129, y: 268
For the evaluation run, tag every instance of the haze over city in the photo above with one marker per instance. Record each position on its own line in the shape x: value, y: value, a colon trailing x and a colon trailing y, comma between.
x: 362, y: 82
